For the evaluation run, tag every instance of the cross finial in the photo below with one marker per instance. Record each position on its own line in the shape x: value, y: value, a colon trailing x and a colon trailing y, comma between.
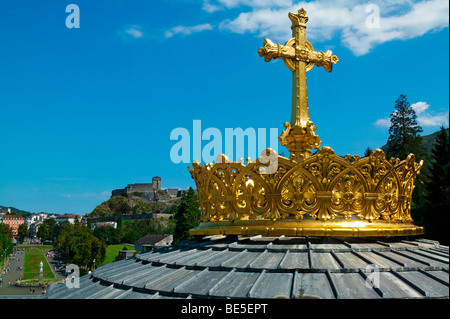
x: 299, y: 56
x: 299, y: 18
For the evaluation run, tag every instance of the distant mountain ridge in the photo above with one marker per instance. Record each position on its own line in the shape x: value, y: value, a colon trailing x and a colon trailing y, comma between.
x: 4, y: 209
x: 428, y: 141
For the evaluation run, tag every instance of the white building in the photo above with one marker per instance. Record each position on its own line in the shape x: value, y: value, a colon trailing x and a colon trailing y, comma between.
x: 102, y: 224
x: 68, y: 218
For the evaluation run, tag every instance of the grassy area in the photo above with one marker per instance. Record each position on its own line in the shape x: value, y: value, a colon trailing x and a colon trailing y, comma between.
x: 32, y: 264
x: 112, y: 251
x: 35, y: 255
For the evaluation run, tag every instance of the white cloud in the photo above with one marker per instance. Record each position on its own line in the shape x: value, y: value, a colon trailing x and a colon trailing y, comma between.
x: 384, y: 123
x: 422, y: 17
x: 433, y: 120
x: 263, y: 22
x: 131, y: 32
x: 420, y: 107
x: 352, y: 20
x: 187, y: 30
x: 255, y: 3
x: 208, y: 7
x: 425, y: 118
x: 134, y: 31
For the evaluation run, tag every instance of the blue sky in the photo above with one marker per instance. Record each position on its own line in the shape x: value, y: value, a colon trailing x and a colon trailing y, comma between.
x: 87, y: 110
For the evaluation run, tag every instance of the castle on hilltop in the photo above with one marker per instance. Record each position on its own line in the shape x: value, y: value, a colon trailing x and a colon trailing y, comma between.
x: 148, y: 191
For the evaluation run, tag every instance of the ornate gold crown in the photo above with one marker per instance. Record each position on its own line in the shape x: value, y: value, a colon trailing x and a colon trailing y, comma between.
x: 306, y: 195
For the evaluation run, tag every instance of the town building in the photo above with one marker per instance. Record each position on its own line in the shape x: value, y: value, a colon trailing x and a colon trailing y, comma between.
x: 68, y: 218
x: 103, y: 224
x: 33, y: 218
x: 13, y: 221
x: 148, y: 242
x: 33, y: 229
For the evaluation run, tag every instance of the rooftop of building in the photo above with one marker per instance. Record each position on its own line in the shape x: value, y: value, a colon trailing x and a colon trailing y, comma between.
x: 68, y: 216
x: 13, y: 217
x: 274, y: 267
x: 150, y: 239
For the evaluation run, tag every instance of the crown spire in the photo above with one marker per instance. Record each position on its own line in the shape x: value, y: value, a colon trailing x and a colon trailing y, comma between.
x: 299, y: 56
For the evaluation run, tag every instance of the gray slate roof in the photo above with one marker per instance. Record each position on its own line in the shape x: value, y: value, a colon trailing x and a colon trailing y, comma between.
x: 150, y: 239
x: 283, y: 267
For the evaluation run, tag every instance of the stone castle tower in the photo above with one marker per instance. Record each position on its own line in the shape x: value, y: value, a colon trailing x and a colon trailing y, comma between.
x: 156, y: 183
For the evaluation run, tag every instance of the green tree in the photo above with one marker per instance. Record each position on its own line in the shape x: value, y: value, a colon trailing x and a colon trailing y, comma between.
x: 66, y: 242
x: 22, y: 232
x: 49, y: 230
x: 368, y: 151
x: 77, y: 244
x: 131, y: 235
x: 404, y: 139
x: 90, y: 251
x: 136, y: 229
x: 5, y: 230
x: 172, y: 209
x: 6, y: 245
x: 404, y: 131
x: 119, y: 222
x: 141, y: 208
x: 188, y: 215
x: 436, y: 217
x: 43, y: 233
x: 439, y: 171
x: 108, y: 234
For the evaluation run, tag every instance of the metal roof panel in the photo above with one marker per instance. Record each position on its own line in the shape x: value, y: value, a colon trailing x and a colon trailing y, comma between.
x: 312, y: 286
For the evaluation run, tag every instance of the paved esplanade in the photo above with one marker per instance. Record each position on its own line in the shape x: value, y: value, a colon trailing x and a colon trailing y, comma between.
x: 15, y: 267
x: 15, y: 271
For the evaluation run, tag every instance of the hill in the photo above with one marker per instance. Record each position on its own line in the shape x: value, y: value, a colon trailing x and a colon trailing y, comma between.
x: 428, y: 141
x: 121, y: 205
x: 4, y: 209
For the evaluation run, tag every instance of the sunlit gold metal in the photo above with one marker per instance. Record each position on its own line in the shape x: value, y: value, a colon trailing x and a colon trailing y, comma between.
x: 324, y: 195
x: 299, y: 56
x: 306, y: 195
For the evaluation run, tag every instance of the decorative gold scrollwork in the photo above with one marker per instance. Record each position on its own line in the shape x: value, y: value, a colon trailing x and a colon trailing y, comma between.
x: 324, y: 187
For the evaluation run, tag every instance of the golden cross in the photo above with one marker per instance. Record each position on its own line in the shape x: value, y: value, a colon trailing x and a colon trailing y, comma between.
x: 300, y: 57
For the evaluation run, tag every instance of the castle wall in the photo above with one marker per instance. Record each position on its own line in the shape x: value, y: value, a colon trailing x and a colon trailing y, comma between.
x: 144, y: 188
x: 148, y: 191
